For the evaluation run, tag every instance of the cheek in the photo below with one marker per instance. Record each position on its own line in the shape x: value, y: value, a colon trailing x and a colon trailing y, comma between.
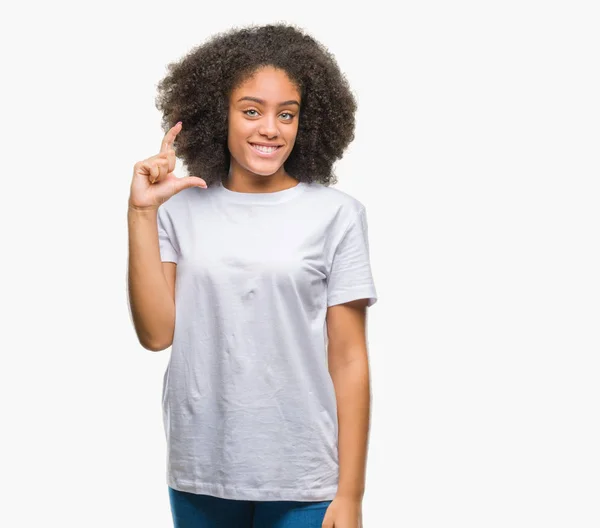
x: 240, y: 130
x: 236, y: 135
x: 292, y: 134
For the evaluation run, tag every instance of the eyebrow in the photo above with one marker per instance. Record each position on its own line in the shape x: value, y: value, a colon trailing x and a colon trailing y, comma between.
x: 262, y: 102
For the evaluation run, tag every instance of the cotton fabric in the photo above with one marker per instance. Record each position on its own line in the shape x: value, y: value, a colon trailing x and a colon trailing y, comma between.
x: 248, y: 404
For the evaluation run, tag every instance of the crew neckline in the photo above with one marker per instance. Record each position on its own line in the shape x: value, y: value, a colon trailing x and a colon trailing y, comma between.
x: 262, y: 197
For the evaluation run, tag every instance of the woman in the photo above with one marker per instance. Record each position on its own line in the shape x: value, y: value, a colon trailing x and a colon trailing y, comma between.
x: 257, y: 273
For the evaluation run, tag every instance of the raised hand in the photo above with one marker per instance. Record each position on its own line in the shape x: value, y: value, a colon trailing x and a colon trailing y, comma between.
x: 153, y: 180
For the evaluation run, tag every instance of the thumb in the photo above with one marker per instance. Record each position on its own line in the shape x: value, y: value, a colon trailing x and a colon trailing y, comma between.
x: 190, y: 181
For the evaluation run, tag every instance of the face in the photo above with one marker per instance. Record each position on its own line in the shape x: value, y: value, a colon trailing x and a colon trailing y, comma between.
x: 263, y: 122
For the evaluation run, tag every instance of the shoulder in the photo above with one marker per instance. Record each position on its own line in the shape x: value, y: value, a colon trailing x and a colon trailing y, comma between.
x: 335, y: 202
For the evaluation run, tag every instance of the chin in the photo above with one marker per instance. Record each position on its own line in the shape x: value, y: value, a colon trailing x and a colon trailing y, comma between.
x: 263, y: 170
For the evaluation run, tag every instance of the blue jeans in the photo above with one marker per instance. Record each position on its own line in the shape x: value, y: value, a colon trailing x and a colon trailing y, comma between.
x: 191, y: 510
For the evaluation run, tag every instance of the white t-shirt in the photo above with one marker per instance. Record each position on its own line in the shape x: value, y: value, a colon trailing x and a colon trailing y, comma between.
x: 249, y: 406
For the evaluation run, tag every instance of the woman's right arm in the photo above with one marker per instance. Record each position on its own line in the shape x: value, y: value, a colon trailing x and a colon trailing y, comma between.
x: 150, y: 282
x: 151, y: 300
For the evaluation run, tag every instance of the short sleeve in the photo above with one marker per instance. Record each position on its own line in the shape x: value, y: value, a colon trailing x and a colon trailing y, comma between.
x: 166, y: 237
x: 350, y: 277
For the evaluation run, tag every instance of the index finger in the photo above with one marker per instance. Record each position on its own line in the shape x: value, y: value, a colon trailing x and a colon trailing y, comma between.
x: 167, y: 142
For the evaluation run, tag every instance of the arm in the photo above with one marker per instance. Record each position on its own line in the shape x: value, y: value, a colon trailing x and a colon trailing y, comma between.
x: 150, y: 290
x: 349, y: 370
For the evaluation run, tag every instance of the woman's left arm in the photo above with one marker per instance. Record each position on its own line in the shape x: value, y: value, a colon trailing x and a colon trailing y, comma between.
x: 349, y: 370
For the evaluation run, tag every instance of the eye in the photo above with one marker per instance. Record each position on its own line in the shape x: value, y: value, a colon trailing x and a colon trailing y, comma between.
x: 291, y: 116
x: 250, y: 110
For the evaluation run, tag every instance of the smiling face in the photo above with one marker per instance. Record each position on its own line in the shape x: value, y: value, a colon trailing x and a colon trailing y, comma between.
x: 263, y: 123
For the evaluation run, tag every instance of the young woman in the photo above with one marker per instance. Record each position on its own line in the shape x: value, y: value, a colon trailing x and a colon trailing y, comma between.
x: 256, y: 271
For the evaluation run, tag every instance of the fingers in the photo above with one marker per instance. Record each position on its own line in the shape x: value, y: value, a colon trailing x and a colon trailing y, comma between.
x: 171, y: 159
x: 165, y: 161
x: 167, y: 142
x: 155, y: 177
x: 157, y: 168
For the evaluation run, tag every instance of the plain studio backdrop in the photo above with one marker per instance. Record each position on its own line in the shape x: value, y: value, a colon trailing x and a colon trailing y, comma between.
x: 476, y: 156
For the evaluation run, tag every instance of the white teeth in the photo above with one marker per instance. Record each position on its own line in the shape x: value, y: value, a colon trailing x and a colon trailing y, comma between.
x: 262, y: 148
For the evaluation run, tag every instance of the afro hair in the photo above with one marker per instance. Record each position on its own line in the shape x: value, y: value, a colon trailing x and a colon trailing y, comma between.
x: 197, y: 88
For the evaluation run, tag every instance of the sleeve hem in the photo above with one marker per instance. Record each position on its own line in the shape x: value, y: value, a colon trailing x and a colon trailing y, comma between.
x: 168, y: 256
x: 364, y: 293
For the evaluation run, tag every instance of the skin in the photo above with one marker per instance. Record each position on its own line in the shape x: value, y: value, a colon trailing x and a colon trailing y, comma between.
x: 270, y: 122
x: 349, y: 370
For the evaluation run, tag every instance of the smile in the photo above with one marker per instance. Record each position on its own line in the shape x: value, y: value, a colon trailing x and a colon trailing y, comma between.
x: 263, y: 151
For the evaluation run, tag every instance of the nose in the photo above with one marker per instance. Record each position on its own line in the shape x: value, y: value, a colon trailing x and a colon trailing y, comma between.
x: 268, y: 127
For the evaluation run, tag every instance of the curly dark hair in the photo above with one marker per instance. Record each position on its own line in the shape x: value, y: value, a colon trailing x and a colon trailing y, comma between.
x: 197, y: 88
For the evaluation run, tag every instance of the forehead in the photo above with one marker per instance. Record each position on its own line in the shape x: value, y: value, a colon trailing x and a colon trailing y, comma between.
x: 268, y: 83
